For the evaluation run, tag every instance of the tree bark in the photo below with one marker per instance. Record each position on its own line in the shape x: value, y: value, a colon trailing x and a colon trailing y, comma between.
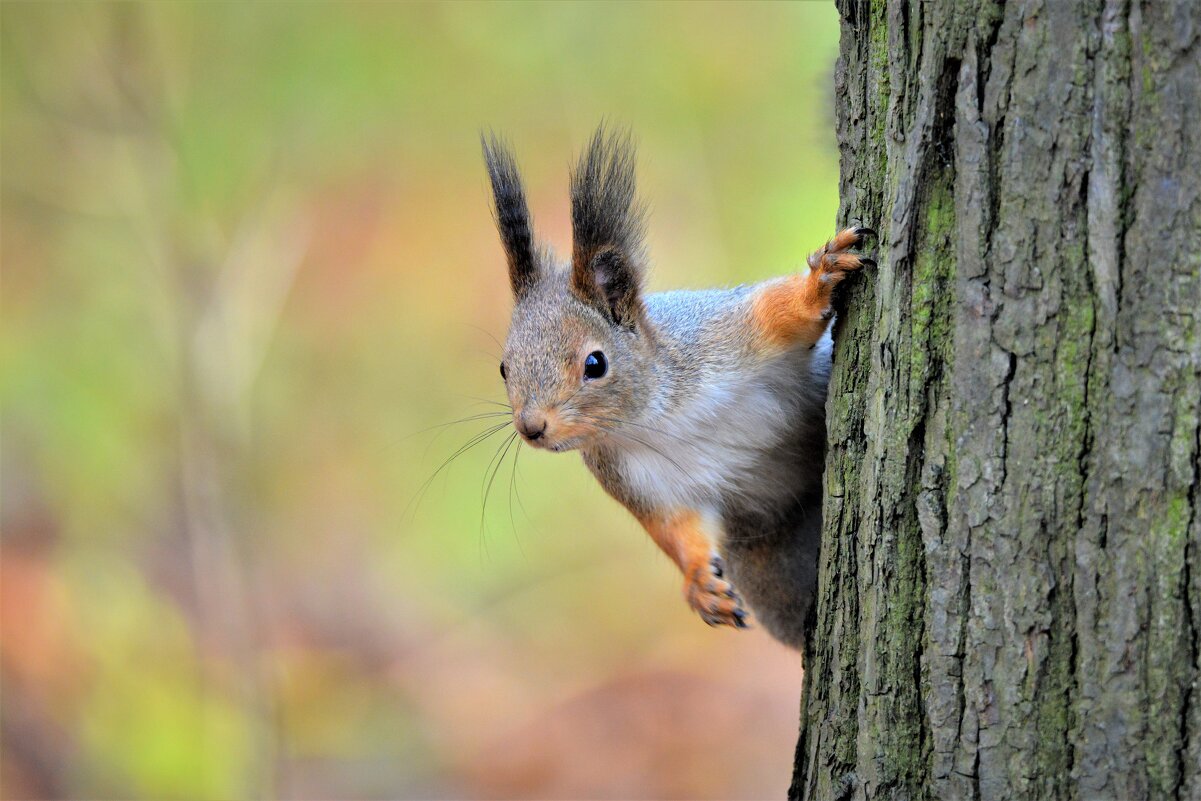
x: 1010, y: 587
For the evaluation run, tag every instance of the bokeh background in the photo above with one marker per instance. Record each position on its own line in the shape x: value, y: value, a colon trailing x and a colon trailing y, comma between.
x: 247, y: 264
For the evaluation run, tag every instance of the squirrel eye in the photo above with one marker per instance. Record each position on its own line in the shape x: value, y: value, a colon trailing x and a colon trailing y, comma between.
x: 595, y: 366
x: 503, y: 377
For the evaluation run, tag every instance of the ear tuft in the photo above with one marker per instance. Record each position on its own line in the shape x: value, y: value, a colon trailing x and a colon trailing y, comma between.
x: 607, y: 221
x: 512, y: 214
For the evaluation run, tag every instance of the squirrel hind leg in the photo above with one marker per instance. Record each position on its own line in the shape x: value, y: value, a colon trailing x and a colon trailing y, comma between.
x: 777, y: 575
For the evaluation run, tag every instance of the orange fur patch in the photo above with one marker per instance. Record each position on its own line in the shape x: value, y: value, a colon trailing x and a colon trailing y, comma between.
x: 844, y: 239
x: 682, y: 537
x: 791, y: 311
x: 796, y: 310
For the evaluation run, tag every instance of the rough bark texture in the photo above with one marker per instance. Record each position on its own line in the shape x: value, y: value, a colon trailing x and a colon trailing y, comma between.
x: 1010, y: 589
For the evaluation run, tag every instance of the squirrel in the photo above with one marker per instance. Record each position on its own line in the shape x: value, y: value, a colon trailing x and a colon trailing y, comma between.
x: 701, y: 412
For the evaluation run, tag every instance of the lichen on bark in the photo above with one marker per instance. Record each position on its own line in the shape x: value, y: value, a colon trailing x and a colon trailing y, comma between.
x: 1009, y: 593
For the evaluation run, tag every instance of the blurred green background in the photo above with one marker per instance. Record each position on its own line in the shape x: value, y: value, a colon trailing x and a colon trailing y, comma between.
x: 247, y: 261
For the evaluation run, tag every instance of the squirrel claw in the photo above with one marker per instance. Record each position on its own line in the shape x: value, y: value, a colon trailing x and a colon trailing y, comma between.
x: 835, y: 260
x: 713, y: 597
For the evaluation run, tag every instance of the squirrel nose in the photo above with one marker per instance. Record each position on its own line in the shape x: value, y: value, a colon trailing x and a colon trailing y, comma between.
x: 532, y: 425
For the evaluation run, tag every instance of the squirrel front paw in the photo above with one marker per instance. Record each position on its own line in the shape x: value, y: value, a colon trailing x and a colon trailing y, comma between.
x: 834, y: 261
x: 714, y: 598
x: 796, y: 311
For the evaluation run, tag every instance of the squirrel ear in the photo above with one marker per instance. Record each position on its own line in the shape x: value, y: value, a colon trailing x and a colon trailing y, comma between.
x: 611, y: 282
x: 512, y: 214
x: 607, y: 227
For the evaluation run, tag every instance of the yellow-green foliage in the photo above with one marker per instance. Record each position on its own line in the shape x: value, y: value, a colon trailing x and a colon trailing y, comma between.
x: 247, y: 255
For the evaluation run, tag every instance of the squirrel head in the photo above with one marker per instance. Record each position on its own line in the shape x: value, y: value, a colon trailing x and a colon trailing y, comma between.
x: 578, y: 360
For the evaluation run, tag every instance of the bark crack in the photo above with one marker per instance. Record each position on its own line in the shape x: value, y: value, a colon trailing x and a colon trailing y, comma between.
x: 961, y: 694
x: 1083, y: 467
x: 1006, y: 413
x: 1190, y: 548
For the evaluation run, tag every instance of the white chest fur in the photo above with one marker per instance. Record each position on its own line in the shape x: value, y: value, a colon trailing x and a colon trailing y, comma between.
x: 717, y: 443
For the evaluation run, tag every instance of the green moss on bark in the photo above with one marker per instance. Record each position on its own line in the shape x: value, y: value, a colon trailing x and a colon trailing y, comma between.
x: 1007, y: 601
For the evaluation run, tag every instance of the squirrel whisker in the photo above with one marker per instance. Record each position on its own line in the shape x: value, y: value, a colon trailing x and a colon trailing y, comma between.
x: 499, y: 459
x: 475, y: 440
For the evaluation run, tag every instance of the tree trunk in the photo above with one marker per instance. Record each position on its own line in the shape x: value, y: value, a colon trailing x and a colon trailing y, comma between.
x: 1010, y: 590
